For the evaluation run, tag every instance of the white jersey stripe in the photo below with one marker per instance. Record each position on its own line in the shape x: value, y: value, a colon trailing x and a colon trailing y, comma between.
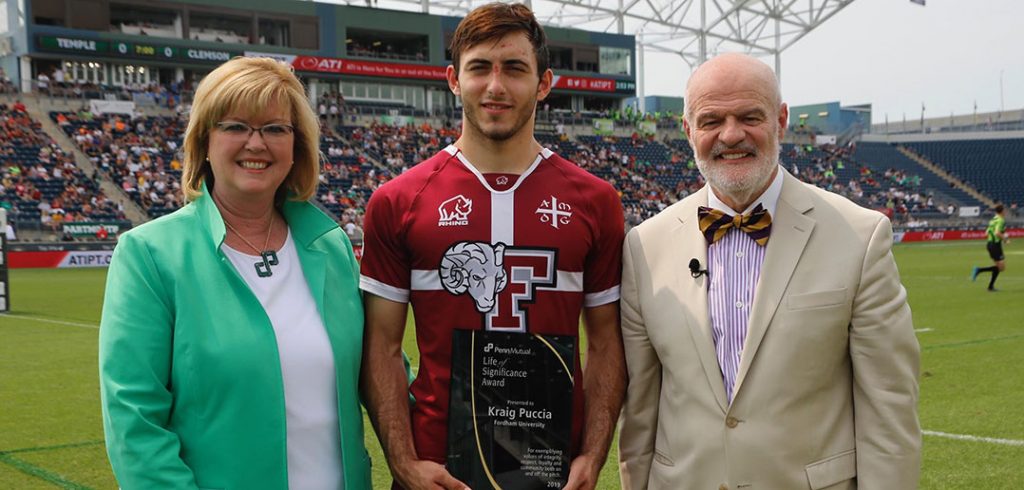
x: 568, y: 282
x: 425, y: 280
x: 385, y: 291
x: 599, y: 298
x: 502, y: 218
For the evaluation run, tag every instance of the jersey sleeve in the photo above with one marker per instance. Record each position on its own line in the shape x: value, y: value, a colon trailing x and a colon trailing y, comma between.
x: 386, y: 266
x: 603, y: 268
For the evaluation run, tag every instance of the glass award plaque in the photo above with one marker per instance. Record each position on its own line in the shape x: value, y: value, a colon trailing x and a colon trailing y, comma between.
x: 510, y: 409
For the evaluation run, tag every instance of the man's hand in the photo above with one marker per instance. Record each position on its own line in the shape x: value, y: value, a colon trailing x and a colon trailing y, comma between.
x: 421, y: 474
x: 583, y: 474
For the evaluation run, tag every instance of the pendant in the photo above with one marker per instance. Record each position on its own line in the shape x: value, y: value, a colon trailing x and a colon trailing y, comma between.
x: 263, y: 268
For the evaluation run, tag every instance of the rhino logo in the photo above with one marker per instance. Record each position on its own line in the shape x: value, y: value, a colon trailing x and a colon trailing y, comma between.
x: 455, y: 211
x: 475, y: 268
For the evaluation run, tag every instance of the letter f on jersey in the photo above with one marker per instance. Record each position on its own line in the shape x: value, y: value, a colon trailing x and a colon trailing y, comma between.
x: 479, y: 269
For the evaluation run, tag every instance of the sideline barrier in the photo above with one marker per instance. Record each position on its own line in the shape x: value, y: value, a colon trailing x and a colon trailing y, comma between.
x: 59, y: 255
x: 97, y: 254
x: 69, y: 255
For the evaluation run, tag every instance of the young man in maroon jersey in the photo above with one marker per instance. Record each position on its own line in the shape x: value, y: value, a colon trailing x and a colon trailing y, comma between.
x: 493, y: 233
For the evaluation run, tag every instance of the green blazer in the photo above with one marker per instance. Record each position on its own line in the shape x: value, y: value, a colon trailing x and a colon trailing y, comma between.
x: 190, y: 378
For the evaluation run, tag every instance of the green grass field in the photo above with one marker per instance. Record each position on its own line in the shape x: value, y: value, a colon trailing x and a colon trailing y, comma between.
x: 972, y: 354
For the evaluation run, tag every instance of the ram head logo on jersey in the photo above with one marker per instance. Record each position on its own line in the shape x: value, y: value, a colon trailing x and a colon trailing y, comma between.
x: 475, y: 268
x: 455, y: 211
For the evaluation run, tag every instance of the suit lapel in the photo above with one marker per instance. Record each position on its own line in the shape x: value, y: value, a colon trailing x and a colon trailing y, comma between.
x: 686, y: 243
x: 790, y: 231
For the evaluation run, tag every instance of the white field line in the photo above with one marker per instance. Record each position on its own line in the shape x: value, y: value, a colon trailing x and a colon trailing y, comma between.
x: 966, y: 277
x: 948, y: 243
x: 47, y: 320
x: 964, y: 437
x: 922, y: 330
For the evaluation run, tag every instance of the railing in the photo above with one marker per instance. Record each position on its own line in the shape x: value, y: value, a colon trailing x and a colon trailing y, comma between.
x: 852, y: 133
x: 72, y: 93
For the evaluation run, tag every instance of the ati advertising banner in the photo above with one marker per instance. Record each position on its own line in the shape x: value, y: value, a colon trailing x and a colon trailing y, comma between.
x: 944, y: 235
x: 60, y: 259
x: 320, y: 64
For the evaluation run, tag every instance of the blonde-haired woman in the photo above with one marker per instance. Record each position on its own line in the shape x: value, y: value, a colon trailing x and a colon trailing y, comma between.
x: 231, y: 334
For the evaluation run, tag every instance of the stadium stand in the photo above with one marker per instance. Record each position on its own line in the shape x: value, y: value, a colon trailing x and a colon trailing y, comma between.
x: 348, y: 178
x: 885, y: 156
x: 42, y: 185
x: 640, y: 168
x: 991, y: 166
x: 140, y: 156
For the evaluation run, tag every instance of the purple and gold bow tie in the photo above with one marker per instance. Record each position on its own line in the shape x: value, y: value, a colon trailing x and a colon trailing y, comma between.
x: 714, y: 224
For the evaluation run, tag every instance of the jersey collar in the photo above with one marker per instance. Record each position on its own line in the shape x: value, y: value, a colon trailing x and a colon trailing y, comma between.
x: 543, y: 155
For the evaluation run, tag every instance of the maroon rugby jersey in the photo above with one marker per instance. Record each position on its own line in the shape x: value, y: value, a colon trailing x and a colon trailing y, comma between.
x: 496, y: 251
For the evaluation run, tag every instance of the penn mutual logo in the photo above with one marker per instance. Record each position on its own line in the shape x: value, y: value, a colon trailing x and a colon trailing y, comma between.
x: 455, y: 211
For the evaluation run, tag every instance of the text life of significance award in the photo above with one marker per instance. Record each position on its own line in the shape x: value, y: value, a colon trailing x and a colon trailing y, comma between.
x: 510, y: 411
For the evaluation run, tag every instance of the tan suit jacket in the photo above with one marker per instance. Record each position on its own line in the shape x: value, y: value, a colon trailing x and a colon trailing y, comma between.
x: 826, y: 391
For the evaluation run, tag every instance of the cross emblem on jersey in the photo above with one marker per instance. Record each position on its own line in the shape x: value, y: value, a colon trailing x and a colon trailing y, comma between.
x: 555, y: 212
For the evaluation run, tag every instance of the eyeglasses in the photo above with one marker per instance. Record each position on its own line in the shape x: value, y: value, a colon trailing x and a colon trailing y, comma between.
x: 269, y: 132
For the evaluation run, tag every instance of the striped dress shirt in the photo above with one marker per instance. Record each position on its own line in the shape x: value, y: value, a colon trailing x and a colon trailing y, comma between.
x: 734, y: 267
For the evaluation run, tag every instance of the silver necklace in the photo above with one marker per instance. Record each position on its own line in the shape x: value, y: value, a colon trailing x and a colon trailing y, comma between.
x: 268, y: 257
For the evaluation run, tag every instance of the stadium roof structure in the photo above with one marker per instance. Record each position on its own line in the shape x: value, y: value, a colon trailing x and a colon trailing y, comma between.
x: 691, y: 29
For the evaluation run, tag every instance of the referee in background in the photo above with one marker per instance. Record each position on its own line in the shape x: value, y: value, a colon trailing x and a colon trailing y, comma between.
x: 997, y: 235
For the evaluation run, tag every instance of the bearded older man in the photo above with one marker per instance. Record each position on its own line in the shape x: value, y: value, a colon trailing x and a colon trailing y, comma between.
x: 768, y: 339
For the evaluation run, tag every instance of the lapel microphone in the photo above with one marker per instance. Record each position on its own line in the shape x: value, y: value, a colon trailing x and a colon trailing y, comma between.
x: 695, y: 270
